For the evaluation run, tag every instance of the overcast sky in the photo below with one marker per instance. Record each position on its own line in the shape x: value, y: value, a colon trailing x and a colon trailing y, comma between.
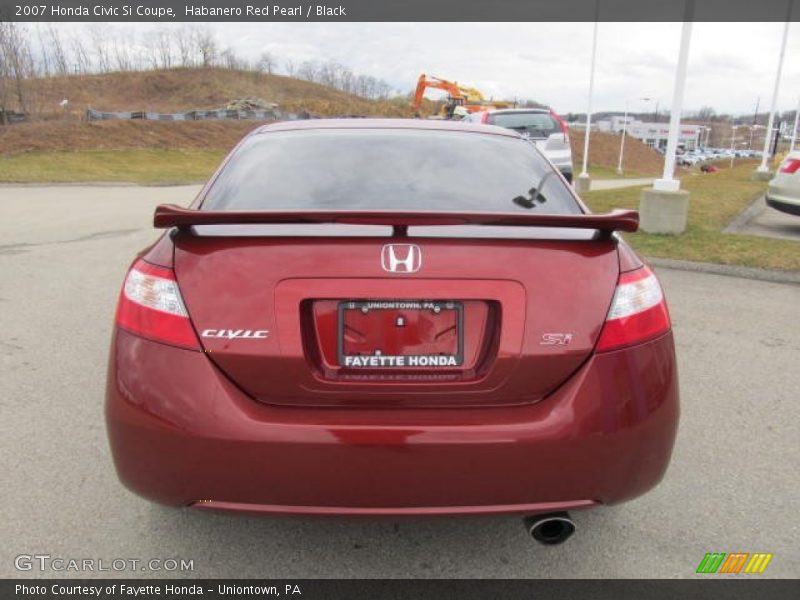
x: 730, y: 64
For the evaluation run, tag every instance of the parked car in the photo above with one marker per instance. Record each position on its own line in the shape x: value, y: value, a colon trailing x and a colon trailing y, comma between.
x: 706, y: 168
x: 389, y: 317
x: 543, y: 127
x: 689, y: 160
x: 783, y: 191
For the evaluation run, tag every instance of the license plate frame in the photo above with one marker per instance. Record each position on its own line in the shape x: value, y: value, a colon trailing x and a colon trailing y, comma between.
x: 377, y: 362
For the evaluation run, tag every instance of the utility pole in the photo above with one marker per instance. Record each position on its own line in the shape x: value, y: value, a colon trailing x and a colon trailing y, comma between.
x: 762, y: 172
x: 583, y: 181
x: 667, y: 182
x: 664, y: 208
x: 622, y: 139
x: 624, y: 131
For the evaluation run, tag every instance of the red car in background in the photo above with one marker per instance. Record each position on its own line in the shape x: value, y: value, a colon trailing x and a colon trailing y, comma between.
x: 388, y: 317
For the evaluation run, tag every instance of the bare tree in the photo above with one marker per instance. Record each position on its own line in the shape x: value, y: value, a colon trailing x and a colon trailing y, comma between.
x: 327, y: 74
x: 205, y: 46
x: 60, y: 61
x: 99, y: 42
x: 16, y: 64
x: 149, y: 45
x: 45, y: 58
x: 26, y: 54
x: 164, y: 47
x: 122, y: 52
x: 229, y: 60
x: 347, y: 80
x: 184, y: 41
x: 382, y: 90
x: 308, y: 71
x: 80, y: 56
x: 5, y: 72
x: 266, y: 63
x: 706, y: 113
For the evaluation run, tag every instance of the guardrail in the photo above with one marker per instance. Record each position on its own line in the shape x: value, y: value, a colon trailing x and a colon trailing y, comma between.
x: 196, y: 115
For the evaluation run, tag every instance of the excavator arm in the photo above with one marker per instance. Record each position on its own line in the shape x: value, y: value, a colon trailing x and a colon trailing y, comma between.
x: 470, y: 98
x: 424, y: 82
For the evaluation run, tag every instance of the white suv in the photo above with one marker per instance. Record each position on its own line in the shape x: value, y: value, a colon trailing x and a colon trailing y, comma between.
x: 544, y: 128
x: 783, y: 192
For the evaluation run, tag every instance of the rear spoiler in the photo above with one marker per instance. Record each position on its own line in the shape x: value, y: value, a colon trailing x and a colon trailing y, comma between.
x: 171, y: 215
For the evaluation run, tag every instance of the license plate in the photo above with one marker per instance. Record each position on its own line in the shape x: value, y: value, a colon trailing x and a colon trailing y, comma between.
x: 401, y: 334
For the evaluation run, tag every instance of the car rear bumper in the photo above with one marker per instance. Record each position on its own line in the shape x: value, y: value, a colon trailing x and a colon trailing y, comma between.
x: 562, y: 163
x: 182, y: 434
x: 783, y: 199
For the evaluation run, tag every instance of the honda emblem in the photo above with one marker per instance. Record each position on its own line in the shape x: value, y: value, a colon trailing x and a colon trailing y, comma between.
x: 401, y: 258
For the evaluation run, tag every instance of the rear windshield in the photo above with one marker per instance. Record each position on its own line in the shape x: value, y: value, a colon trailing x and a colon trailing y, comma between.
x: 533, y: 124
x: 389, y: 169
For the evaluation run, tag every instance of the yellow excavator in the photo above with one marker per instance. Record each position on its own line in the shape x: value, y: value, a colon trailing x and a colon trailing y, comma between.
x: 461, y: 99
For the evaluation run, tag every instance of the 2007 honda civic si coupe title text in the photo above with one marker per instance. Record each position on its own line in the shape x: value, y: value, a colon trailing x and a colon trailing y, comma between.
x: 390, y: 317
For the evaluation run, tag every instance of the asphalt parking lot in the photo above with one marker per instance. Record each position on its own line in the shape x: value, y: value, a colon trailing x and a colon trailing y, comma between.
x: 763, y: 220
x: 732, y: 485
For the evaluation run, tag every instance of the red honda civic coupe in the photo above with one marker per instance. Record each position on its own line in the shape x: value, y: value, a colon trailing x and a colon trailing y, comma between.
x: 391, y: 317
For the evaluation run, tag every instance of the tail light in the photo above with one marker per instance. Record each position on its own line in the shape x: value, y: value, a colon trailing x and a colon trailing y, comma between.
x: 790, y: 165
x: 561, y: 123
x: 638, y: 311
x: 151, y: 306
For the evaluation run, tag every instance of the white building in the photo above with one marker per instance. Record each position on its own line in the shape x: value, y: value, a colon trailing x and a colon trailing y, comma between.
x: 653, y: 134
x: 614, y: 124
x: 786, y: 128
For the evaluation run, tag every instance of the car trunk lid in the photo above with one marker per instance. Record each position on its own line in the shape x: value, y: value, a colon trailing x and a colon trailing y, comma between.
x: 509, y: 319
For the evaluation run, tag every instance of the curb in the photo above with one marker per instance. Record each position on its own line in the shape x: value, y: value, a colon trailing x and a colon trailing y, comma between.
x: 11, y: 184
x: 790, y: 277
x: 756, y: 207
x: 616, y: 184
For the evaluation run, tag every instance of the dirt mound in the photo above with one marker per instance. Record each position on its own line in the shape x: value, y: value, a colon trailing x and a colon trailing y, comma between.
x: 174, y: 90
x: 604, y: 152
x: 123, y: 135
x: 179, y: 90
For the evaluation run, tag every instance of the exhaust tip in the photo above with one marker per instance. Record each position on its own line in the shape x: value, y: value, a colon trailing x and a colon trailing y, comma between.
x: 550, y: 529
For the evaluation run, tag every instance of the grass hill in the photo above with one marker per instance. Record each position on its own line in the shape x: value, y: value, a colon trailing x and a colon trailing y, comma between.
x: 59, y: 146
x: 71, y: 136
x: 184, y: 89
x: 639, y: 160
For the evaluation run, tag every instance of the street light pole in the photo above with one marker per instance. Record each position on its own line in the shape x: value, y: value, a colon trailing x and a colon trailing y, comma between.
x: 582, y: 182
x: 664, y: 208
x: 622, y: 140
x: 624, y: 131
x: 589, y: 106
x: 733, y: 142
x: 753, y: 129
x: 667, y: 183
x: 763, y: 170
